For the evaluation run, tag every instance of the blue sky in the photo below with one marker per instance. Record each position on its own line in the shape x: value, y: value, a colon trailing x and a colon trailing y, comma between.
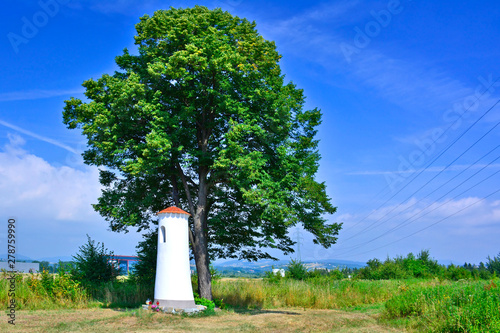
x: 402, y: 85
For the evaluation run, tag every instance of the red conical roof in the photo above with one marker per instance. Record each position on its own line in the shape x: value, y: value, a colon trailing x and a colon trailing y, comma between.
x: 174, y: 210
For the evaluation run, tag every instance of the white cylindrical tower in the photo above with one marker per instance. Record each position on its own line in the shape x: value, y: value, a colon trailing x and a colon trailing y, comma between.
x: 173, y: 274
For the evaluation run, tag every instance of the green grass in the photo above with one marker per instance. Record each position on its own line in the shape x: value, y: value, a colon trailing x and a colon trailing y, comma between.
x: 422, y: 305
x: 456, y: 307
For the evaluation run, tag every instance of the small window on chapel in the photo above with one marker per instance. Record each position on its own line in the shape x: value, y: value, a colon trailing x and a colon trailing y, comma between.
x: 163, y: 234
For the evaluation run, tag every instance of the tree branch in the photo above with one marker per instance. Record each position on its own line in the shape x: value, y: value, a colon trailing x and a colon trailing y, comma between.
x: 191, y: 238
x: 186, y: 189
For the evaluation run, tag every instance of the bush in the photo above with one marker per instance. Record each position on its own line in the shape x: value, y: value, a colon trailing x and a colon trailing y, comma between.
x: 336, y: 274
x: 456, y: 273
x: 92, y: 267
x: 296, y: 270
x: 493, y: 265
x: 417, y: 267
x: 145, y: 269
x: 203, y: 301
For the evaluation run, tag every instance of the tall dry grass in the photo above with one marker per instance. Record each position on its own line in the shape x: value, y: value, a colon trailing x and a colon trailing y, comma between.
x: 59, y: 291
x: 320, y: 294
x: 44, y: 291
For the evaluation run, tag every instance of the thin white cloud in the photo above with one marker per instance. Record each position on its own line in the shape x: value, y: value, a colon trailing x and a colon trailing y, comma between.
x: 448, y: 227
x: 39, y: 137
x: 36, y: 94
x: 467, y: 214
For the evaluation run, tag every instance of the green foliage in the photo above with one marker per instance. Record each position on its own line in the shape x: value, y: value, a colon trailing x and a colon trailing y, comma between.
x: 456, y: 273
x: 273, y: 277
x: 423, y: 267
x: 214, y: 273
x: 145, y: 269
x: 400, y: 267
x: 92, y: 266
x: 203, y: 301
x: 44, y: 265
x: 493, y: 265
x: 202, y: 117
x: 296, y: 270
x: 336, y: 274
x: 219, y: 303
x: 318, y: 275
x: 45, y: 291
x: 449, y: 308
x: 60, y: 287
x: 210, y: 304
x: 126, y: 293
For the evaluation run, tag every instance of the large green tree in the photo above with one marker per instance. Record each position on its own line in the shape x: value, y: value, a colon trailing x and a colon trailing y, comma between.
x: 202, y: 119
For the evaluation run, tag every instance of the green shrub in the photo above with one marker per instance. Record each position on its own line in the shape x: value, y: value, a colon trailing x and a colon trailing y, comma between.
x: 421, y: 266
x: 145, y: 269
x: 273, y: 277
x: 92, y: 267
x: 123, y: 293
x: 203, y: 301
x: 216, y: 302
x: 493, y: 265
x: 296, y: 270
x: 214, y: 275
x: 456, y: 273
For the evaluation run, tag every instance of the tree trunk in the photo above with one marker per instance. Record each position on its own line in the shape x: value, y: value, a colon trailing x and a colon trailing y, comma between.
x: 202, y: 259
x: 201, y: 244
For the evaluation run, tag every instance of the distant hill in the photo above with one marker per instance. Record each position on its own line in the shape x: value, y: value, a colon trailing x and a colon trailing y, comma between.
x: 56, y: 259
x: 17, y: 256
x: 267, y: 265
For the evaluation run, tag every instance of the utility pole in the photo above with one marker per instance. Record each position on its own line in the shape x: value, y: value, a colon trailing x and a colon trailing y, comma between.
x: 298, y: 235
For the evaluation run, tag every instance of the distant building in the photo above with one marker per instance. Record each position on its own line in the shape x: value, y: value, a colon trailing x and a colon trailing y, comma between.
x: 124, y: 263
x: 21, y: 267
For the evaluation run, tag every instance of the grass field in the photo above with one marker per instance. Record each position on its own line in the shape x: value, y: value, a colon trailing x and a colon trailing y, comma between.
x: 260, y: 305
x: 273, y: 320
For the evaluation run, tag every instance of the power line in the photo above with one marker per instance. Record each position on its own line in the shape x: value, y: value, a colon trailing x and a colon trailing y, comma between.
x: 435, y: 176
x: 433, y: 142
x: 403, y: 224
x: 449, y: 181
x: 477, y: 172
x: 424, y: 169
x: 431, y: 225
